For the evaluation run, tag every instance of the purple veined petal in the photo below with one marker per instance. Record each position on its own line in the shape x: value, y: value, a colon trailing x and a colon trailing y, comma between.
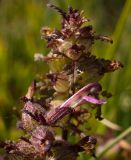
x: 81, y: 93
x: 79, y: 98
x: 93, y: 100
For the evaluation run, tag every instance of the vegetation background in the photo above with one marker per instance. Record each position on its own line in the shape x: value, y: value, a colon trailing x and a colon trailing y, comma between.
x: 20, y: 24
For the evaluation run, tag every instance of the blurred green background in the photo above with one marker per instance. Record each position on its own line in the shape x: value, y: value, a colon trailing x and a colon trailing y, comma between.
x: 20, y: 24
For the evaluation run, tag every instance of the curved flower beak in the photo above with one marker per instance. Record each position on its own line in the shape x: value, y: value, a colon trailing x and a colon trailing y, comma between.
x: 79, y: 98
x: 93, y: 100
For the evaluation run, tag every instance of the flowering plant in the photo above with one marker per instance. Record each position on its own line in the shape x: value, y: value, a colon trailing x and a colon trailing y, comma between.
x: 59, y: 102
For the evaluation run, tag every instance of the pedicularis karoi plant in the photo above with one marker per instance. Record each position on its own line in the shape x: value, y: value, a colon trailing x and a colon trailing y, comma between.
x: 61, y: 101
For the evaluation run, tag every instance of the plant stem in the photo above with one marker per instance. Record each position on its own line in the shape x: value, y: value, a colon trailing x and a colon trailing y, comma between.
x: 109, y: 145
